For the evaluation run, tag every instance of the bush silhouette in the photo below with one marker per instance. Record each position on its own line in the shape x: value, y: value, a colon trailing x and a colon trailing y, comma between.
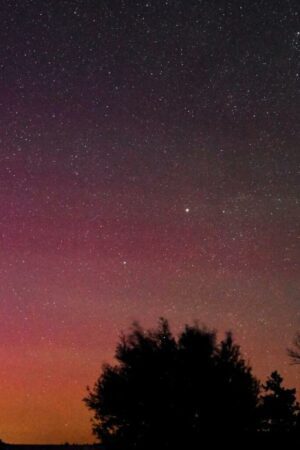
x: 168, y: 392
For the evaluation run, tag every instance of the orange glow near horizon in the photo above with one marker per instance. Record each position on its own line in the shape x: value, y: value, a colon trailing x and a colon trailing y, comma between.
x: 148, y: 168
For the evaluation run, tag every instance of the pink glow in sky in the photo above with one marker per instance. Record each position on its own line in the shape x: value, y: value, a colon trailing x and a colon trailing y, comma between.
x: 148, y: 157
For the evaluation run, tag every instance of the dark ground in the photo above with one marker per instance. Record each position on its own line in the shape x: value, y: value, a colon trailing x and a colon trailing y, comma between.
x: 51, y: 447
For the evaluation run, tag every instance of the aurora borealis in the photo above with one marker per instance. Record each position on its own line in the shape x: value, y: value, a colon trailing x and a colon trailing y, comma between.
x: 148, y: 164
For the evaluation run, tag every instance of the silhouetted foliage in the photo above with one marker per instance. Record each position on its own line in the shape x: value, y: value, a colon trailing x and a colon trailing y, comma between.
x: 165, y: 392
x: 280, y: 410
x: 236, y: 388
x: 294, y: 352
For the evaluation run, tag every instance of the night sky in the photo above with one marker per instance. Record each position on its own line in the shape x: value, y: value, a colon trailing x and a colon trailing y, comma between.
x: 148, y: 163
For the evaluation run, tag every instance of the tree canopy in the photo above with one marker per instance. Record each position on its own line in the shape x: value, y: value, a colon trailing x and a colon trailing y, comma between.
x: 280, y: 410
x: 171, y: 391
x: 294, y: 352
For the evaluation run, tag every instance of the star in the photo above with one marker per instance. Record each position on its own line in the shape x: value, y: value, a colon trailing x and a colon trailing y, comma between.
x: 149, y: 140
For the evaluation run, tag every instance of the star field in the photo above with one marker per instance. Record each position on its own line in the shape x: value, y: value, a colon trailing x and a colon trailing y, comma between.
x: 148, y: 167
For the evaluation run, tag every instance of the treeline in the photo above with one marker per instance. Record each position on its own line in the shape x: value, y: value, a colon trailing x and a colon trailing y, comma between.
x: 166, y: 392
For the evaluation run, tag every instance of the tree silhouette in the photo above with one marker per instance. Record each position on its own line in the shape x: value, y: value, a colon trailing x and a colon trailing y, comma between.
x: 170, y: 392
x: 294, y: 353
x: 280, y: 410
x: 237, y: 389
